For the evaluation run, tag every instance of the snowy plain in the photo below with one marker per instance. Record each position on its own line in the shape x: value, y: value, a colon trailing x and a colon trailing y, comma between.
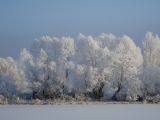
x: 81, y: 112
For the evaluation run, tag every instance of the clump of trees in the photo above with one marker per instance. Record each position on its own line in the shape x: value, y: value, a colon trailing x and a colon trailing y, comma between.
x: 105, y: 67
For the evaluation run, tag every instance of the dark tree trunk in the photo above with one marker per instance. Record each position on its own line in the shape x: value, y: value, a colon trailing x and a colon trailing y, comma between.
x: 114, y: 97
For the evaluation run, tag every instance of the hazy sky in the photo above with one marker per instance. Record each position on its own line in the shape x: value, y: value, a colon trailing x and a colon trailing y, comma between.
x: 21, y: 21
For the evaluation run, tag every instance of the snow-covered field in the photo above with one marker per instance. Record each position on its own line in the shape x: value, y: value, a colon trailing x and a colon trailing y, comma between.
x: 81, y: 112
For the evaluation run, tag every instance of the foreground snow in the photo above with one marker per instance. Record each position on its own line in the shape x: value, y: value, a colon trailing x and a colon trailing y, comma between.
x: 81, y: 112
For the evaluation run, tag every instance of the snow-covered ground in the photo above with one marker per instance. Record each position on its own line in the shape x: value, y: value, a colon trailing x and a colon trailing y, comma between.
x: 81, y: 112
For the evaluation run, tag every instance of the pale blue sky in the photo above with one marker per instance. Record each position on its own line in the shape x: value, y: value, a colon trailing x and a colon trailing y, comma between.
x: 21, y: 21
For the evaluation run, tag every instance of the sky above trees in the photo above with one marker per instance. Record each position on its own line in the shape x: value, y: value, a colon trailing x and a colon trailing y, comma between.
x: 23, y: 21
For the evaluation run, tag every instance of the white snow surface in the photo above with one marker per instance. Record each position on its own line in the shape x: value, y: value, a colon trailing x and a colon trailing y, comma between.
x: 81, y: 112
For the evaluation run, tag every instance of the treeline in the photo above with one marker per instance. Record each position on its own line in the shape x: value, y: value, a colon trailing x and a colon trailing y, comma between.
x: 104, y: 67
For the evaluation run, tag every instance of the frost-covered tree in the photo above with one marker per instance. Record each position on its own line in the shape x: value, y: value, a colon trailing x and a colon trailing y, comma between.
x: 45, y: 83
x: 92, y: 59
x: 125, y: 67
x: 47, y: 67
x: 12, y: 81
x: 150, y: 76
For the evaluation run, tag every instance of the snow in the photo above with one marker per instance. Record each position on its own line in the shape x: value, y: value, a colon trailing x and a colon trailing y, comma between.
x: 81, y: 112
